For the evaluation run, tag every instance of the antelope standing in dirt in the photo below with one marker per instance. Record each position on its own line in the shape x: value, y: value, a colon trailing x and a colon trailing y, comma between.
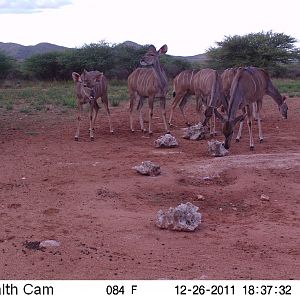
x: 182, y: 90
x: 148, y: 81
x: 205, y: 85
x: 89, y: 87
x: 249, y: 86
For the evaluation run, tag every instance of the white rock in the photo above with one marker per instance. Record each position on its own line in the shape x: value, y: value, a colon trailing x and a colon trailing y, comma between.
x: 166, y: 141
x: 264, y: 197
x: 183, y: 217
x: 49, y: 243
x: 196, y: 132
x: 148, y: 168
x: 216, y: 148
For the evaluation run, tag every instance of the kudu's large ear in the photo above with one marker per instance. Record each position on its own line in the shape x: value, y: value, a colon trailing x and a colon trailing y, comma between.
x: 98, y: 76
x: 239, y: 118
x: 75, y: 76
x: 163, y: 49
x: 219, y: 116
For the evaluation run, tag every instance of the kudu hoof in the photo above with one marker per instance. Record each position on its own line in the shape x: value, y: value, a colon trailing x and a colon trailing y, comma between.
x: 261, y: 140
x: 252, y: 148
x: 92, y: 138
x: 76, y: 138
x: 237, y: 140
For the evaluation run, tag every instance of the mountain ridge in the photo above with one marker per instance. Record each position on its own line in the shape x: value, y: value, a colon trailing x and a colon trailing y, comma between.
x: 21, y: 52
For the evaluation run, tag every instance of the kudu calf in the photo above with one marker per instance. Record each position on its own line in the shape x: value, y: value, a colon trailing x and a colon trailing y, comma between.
x: 249, y: 86
x: 89, y: 87
x: 148, y: 81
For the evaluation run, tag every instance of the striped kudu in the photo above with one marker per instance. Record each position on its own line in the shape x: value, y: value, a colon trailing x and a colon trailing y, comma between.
x: 148, y: 81
x: 182, y: 90
x: 249, y: 86
x: 205, y: 85
x: 89, y: 87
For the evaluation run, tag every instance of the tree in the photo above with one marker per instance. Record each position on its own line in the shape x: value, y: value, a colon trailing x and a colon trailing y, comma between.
x: 43, y: 66
x: 7, y: 65
x: 267, y: 50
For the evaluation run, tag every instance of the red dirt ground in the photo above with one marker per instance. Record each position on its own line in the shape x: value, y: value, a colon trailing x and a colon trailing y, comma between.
x: 86, y: 195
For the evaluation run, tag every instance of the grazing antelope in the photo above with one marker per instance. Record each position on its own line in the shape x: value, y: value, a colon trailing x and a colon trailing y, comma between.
x: 249, y: 86
x: 205, y: 85
x: 226, y: 79
x: 148, y: 81
x: 89, y: 87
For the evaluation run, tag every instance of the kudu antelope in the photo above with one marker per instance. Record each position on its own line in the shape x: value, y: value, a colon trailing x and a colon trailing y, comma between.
x: 148, y: 81
x: 205, y: 85
x: 182, y: 90
x: 249, y: 86
x: 89, y: 87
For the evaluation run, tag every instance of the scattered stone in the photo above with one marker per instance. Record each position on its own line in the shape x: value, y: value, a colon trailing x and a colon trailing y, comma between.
x: 49, y: 243
x: 216, y: 148
x: 148, y: 168
x: 196, y: 132
x: 166, y: 141
x: 33, y: 245
x: 200, y: 197
x: 183, y: 217
x: 264, y: 197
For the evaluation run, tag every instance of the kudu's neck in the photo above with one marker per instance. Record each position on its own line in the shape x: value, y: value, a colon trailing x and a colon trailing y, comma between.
x: 274, y: 93
x: 163, y: 82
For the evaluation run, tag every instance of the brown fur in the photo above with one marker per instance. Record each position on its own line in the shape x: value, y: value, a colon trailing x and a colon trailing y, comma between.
x: 148, y: 82
x: 89, y: 87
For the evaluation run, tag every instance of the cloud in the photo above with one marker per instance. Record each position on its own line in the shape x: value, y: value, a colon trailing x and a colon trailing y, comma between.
x: 30, y: 6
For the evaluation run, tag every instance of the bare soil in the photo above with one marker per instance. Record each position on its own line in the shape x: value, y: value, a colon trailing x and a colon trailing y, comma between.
x: 86, y: 196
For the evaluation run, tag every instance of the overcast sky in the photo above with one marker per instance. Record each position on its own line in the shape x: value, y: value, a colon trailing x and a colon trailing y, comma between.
x: 188, y: 27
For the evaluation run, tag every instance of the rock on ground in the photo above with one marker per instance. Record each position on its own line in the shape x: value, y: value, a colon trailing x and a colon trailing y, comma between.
x: 166, y: 141
x: 148, y: 168
x: 196, y: 132
x: 184, y: 217
x: 216, y: 148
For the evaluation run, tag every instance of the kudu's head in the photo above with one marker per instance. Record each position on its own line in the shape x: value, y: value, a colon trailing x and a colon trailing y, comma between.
x: 283, y: 108
x: 228, y: 127
x: 90, y: 80
x: 82, y: 89
x: 151, y: 58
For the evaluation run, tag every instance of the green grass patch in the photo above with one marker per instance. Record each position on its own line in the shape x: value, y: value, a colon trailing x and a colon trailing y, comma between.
x: 288, y: 86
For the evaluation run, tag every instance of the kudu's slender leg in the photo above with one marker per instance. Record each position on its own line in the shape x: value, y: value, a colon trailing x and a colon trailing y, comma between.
x: 258, y: 107
x: 140, y: 111
x: 131, y: 105
x: 96, y: 108
x: 150, y: 103
x: 181, y: 106
x: 163, y: 112
x: 176, y: 100
x: 250, y: 125
x: 92, y: 103
x: 105, y: 103
x: 78, y: 121
x: 239, y: 135
x: 213, y: 125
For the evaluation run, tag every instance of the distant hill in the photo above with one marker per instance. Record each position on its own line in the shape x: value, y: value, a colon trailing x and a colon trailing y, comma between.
x: 199, y: 58
x: 21, y: 52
